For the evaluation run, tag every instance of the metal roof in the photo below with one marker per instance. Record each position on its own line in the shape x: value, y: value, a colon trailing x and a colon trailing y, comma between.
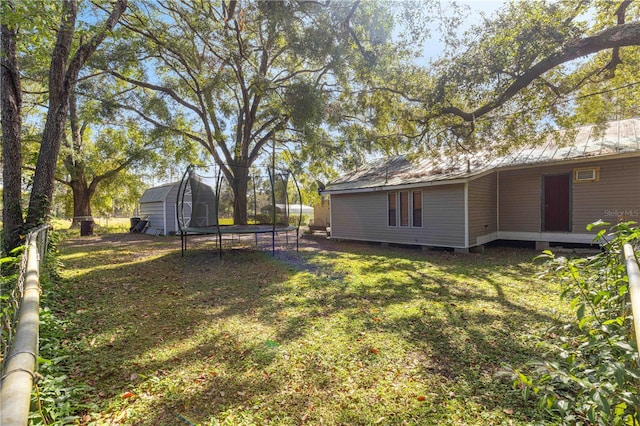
x: 158, y: 193
x: 614, y: 138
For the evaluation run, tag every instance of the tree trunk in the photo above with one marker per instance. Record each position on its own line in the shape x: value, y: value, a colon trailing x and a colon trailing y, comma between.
x: 59, y: 89
x: 62, y: 75
x: 44, y: 178
x: 239, y: 186
x: 10, y: 87
x: 81, y: 201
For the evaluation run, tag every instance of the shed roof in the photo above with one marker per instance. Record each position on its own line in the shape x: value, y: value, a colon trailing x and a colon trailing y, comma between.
x: 616, y: 138
x: 157, y: 193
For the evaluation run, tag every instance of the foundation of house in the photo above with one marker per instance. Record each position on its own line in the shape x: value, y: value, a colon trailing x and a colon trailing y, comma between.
x: 542, y: 245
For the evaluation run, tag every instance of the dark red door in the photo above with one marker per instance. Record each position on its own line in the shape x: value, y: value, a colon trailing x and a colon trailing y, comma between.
x: 556, y: 203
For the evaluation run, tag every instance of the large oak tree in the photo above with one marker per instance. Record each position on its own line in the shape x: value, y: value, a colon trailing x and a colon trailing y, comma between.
x: 103, y: 142
x: 246, y: 74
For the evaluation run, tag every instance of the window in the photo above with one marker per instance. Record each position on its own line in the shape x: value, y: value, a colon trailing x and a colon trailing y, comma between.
x: 392, y: 208
x: 586, y: 174
x: 417, y: 209
x: 404, y: 208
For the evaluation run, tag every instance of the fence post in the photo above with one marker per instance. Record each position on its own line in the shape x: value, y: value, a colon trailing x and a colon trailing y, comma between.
x: 633, y: 272
x: 18, y: 376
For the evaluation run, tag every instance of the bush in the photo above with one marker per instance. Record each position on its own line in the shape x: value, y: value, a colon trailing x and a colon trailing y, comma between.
x: 592, y: 376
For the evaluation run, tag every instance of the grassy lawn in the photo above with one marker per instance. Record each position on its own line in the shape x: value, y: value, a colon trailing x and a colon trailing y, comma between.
x: 337, y: 333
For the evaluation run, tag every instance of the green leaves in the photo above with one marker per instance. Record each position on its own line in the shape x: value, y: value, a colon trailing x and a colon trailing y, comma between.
x: 595, y: 374
x: 305, y: 104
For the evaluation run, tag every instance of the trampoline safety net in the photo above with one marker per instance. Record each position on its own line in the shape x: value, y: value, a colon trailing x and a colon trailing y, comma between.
x: 206, y: 204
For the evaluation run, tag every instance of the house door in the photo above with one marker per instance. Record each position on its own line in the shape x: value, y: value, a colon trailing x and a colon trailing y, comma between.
x: 557, y: 211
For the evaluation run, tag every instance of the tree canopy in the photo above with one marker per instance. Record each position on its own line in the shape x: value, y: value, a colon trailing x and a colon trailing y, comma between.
x: 326, y: 83
x: 236, y: 77
x: 530, y: 68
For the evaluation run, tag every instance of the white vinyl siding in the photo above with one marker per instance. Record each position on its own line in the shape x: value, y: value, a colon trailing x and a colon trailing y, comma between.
x: 154, y: 213
x: 161, y: 210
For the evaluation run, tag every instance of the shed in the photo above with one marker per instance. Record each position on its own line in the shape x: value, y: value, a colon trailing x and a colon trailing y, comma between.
x: 158, y: 206
x: 547, y: 193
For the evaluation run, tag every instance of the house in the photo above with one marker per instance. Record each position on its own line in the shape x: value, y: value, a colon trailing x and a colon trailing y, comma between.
x: 548, y: 193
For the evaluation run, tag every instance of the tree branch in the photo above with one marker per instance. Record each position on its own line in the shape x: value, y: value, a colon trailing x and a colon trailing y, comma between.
x: 162, y: 89
x: 86, y: 50
x: 614, y: 37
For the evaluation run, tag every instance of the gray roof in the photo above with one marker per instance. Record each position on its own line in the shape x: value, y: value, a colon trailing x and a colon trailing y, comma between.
x: 158, y: 193
x: 615, y: 138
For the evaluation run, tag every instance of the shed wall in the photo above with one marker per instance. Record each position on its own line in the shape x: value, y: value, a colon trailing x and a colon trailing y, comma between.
x: 171, y: 224
x: 363, y: 216
x: 154, y: 213
x: 162, y: 222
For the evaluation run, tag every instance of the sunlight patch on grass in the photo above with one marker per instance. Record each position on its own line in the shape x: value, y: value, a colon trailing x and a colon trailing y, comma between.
x: 363, y: 335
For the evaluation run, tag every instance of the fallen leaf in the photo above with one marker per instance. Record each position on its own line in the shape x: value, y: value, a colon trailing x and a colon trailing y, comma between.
x: 508, y: 411
x: 422, y: 398
x: 374, y: 351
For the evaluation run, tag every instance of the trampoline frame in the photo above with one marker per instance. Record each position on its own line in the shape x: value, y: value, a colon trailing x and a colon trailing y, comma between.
x: 220, y: 230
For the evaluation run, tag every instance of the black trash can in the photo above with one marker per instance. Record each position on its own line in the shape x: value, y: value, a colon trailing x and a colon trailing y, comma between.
x: 86, y: 227
x: 133, y: 222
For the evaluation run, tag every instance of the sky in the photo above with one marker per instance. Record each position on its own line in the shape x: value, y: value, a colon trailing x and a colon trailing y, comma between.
x: 476, y: 9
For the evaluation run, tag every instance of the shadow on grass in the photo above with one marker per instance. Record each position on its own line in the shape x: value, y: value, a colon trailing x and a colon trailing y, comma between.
x: 306, y: 337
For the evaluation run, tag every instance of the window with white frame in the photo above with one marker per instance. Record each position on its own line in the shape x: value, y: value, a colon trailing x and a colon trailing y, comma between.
x: 405, y: 208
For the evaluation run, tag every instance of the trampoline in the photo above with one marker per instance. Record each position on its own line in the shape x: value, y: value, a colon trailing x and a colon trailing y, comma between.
x: 205, y: 206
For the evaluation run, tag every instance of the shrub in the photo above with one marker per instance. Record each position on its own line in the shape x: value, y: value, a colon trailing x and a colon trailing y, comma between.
x: 592, y: 375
